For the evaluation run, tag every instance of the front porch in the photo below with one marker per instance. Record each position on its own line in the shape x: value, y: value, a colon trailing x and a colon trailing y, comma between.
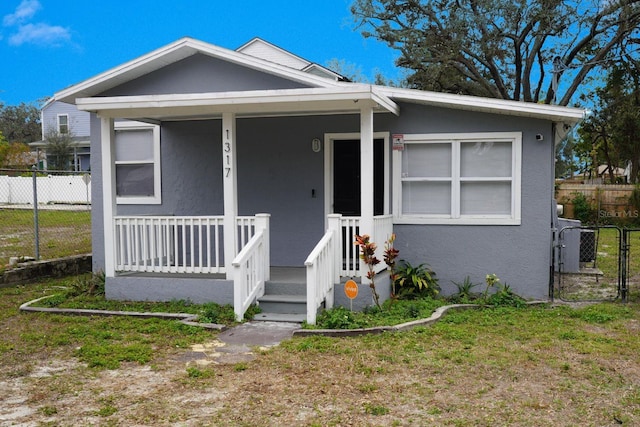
x: 190, y: 251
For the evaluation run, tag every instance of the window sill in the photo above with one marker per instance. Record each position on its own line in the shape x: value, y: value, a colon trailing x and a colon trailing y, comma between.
x: 138, y: 201
x: 419, y: 220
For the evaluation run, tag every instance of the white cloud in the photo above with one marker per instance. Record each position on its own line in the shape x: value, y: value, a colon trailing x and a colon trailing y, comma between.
x: 25, y: 10
x: 40, y: 34
x: 26, y: 32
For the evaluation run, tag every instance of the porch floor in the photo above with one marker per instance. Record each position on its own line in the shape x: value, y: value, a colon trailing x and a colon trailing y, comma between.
x: 278, y: 274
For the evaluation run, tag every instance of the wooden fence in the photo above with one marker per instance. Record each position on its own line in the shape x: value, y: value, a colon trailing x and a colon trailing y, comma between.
x: 609, y: 201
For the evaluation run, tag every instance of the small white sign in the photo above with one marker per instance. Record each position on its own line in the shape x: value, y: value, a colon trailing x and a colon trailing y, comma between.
x: 398, y: 141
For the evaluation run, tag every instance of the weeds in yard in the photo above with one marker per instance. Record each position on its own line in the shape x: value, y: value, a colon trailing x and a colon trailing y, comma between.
x: 493, y: 366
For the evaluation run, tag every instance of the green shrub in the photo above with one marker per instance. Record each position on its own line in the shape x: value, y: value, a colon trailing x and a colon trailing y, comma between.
x: 416, y: 281
x: 582, y: 209
x: 338, y: 318
x: 216, y: 313
x: 505, y: 297
x: 465, y: 294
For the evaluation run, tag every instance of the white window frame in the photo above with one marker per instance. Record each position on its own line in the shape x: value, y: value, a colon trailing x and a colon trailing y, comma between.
x: 332, y: 138
x: 156, y: 199
x: 455, y: 218
x: 66, y: 124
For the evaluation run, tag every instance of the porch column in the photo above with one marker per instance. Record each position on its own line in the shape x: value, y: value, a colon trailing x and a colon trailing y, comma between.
x: 107, y: 142
x: 366, y: 171
x: 230, y: 187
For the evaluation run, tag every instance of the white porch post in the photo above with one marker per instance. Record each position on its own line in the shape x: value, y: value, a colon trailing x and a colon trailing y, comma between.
x: 230, y: 187
x: 366, y: 179
x: 108, y: 193
x: 366, y: 171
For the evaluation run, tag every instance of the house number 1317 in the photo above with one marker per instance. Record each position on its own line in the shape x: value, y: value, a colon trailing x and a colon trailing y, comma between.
x: 227, y: 150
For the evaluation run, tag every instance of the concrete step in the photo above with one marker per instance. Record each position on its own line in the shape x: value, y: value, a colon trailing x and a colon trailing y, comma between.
x: 280, y: 317
x: 285, y: 304
x: 274, y: 287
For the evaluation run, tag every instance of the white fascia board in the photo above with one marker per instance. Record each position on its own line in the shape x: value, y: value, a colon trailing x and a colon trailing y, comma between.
x: 291, y: 100
x: 174, y: 52
x: 554, y: 113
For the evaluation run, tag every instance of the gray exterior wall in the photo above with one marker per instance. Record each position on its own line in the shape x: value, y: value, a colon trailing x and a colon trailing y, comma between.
x: 277, y: 171
x: 139, y: 288
x: 201, y: 73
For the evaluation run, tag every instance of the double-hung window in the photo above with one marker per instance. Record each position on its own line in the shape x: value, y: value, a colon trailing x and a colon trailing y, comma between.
x: 63, y: 124
x: 137, y: 159
x: 458, y: 179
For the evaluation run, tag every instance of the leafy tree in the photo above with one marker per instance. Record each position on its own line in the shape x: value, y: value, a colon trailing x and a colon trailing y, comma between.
x: 16, y: 155
x: 20, y: 123
x: 59, y: 149
x: 354, y: 73
x: 4, y: 149
x: 507, y: 49
x: 611, y: 134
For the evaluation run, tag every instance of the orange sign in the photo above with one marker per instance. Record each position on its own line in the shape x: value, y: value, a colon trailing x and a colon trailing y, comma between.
x: 351, y: 289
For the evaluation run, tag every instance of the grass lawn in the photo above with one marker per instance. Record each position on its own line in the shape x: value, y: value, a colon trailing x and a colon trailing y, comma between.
x: 604, y: 286
x: 62, y: 233
x: 557, y: 366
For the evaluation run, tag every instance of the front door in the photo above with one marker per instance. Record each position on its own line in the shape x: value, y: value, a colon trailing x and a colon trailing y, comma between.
x: 346, y: 176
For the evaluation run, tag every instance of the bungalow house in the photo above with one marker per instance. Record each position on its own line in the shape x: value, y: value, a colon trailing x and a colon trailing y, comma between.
x: 256, y: 165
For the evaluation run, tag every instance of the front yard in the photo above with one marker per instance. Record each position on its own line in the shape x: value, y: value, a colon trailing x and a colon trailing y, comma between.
x: 558, y: 366
x: 61, y: 233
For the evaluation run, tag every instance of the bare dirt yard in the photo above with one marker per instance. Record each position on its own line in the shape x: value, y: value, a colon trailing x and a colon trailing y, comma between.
x: 557, y: 366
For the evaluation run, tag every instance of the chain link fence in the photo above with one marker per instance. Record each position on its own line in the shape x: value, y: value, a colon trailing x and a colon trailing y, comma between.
x: 43, y: 215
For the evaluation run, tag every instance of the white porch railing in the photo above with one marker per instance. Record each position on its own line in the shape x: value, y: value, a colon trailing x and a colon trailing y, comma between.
x: 322, y: 271
x: 175, y: 244
x: 251, y: 268
x: 337, y: 255
x: 169, y: 244
x: 349, y: 227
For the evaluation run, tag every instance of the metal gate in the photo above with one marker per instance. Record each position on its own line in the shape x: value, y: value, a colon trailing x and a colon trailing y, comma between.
x: 590, y: 264
x: 631, y: 267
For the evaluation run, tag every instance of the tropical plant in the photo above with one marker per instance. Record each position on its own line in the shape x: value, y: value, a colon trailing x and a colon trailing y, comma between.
x: 416, y: 281
x: 368, y: 256
x: 465, y: 292
x: 390, y: 255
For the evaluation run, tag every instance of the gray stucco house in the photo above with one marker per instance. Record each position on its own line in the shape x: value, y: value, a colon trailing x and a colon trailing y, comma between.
x: 243, y: 161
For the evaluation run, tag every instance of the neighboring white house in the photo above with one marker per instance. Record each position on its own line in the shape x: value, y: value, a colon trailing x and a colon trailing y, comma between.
x: 260, y: 159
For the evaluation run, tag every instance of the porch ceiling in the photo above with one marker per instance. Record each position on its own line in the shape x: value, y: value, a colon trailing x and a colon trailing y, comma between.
x: 340, y: 100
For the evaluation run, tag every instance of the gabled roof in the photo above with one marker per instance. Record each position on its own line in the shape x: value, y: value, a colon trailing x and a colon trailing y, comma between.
x: 322, y: 96
x: 174, y: 52
x: 268, y: 51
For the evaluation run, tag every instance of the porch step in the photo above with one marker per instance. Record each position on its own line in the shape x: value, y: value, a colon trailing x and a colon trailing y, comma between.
x: 280, y: 317
x: 285, y: 296
x: 285, y: 304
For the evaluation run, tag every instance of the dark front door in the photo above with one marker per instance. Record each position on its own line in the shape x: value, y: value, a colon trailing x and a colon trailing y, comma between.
x: 346, y: 177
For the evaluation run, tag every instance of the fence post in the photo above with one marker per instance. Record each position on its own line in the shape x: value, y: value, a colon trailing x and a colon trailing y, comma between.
x: 34, y: 170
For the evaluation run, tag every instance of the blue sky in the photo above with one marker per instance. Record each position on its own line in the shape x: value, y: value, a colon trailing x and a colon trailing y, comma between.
x: 47, y: 45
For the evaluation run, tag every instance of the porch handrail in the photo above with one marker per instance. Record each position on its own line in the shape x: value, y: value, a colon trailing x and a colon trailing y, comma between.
x: 350, y: 226
x: 249, y: 273
x: 322, y: 274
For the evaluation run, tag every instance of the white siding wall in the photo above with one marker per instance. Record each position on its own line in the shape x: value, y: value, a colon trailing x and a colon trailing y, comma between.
x: 263, y: 50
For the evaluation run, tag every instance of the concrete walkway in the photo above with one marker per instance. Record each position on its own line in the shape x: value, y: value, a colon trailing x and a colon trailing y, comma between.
x: 239, y: 344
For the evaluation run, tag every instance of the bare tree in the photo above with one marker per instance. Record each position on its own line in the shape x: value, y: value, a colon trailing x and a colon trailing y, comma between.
x: 59, y: 149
